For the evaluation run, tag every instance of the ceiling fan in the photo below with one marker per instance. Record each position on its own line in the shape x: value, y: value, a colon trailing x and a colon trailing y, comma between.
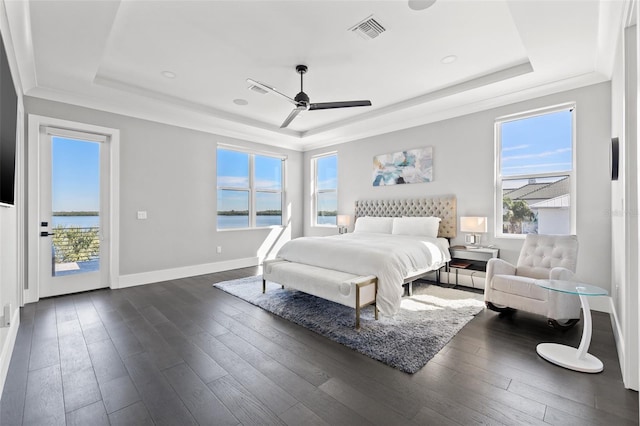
x: 301, y: 101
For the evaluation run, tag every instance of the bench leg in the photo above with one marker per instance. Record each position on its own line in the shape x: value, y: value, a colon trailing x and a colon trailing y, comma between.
x: 375, y: 302
x: 357, y: 307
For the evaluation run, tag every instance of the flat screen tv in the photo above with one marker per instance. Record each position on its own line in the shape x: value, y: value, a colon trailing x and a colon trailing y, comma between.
x: 8, y: 116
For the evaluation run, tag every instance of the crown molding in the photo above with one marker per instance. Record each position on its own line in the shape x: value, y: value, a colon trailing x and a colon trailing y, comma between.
x: 447, y: 109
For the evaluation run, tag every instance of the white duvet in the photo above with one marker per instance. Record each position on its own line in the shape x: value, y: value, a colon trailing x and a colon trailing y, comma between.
x: 391, y: 258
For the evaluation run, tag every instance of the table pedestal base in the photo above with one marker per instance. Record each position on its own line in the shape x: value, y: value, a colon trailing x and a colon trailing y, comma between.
x: 567, y: 357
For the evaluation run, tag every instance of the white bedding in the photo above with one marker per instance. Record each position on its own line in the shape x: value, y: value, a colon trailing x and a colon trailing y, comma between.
x: 391, y: 258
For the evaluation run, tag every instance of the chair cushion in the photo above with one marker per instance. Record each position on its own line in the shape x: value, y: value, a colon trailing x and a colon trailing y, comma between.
x: 520, y: 286
x: 541, y: 253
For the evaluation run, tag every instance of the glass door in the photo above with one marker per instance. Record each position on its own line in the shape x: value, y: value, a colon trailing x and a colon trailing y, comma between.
x: 72, y: 247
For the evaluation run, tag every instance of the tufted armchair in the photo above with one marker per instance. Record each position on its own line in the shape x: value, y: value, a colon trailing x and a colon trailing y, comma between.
x: 509, y: 287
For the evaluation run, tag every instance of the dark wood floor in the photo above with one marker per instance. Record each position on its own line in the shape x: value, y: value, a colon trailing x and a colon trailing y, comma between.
x: 181, y: 352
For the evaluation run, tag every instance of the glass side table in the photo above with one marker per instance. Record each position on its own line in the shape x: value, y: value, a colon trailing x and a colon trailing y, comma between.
x: 566, y: 356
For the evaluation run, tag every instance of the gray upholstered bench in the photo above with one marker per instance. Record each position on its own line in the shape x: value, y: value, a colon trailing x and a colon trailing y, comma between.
x: 341, y: 287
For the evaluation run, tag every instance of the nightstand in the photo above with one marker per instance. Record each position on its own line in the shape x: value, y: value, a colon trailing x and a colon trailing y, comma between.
x: 471, y: 259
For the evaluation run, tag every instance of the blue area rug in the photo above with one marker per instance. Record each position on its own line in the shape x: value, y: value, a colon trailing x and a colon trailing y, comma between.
x: 425, y: 323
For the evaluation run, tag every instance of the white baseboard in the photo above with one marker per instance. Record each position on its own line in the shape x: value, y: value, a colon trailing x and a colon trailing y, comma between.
x: 183, y: 272
x: 617, y: 334
x: 601, y: 304
x: 7, y: 347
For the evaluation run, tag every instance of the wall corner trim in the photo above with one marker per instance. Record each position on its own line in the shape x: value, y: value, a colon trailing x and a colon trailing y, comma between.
x: 7, y: 348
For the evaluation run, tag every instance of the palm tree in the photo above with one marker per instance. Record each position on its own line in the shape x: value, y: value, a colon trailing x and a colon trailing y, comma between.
x: 513, y: 214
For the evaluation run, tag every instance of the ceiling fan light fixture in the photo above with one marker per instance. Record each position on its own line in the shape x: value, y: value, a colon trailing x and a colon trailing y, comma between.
x: 301, y: 101
x: 420, y: 4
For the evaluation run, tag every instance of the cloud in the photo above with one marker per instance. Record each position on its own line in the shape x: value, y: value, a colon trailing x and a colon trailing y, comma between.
x: 328, y: 183
x: 267, y: 184
x: 566, y: 166
x: 513, y: 148
x: 233, y: 181
x: 241, y: 182
x: 538, y: 155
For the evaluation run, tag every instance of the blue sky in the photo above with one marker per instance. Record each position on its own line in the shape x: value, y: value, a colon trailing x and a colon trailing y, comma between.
x: 327, y: 179
x: 538, y: 144
x: 233, y: 172
x: 75, y: 175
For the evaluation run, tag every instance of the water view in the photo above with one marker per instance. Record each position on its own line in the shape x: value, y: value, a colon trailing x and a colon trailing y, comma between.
x: 231, y: 222
x: 79, y: 221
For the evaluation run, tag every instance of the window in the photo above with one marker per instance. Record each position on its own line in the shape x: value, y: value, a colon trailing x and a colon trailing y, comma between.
x: 249, y: 189
x: 325, y: 194
x: 535, y: 172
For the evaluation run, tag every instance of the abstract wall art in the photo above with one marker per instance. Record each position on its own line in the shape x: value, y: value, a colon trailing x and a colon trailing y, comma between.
x: 409, y: 166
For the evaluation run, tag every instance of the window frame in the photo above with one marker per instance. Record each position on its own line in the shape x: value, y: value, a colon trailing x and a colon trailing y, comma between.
x: 252, y: 190
x: 499, y: 179
x: 316, y: 191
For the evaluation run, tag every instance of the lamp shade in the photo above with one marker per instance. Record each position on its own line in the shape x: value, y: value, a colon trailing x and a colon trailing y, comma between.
x: 343, y: 220
x: 473, y: 224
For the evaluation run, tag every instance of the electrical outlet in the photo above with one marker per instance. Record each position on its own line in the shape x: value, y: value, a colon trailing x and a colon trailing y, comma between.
x: 142, y: 215
x: 219, y: 249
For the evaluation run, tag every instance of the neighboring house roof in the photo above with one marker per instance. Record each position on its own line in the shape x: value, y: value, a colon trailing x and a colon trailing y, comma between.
x: 563, y: 201
x: 532, y: 192
x: 522, y: 192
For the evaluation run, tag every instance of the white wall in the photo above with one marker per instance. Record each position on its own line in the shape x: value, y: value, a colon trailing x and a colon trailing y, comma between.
x: 171, y: 173
x: 618, y: 234
x: 463, y: 164
x: 9, y: 245
x: 8, y: 285
x: 624, y: 206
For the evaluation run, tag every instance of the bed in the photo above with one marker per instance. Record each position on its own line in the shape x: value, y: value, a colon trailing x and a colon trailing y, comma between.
x: 394, y: 242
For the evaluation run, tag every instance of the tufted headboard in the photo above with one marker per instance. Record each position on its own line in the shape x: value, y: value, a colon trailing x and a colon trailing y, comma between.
x: 443, y: 207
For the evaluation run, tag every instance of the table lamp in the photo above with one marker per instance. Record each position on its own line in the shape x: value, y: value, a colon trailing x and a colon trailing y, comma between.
x: 343, y: 222
x: 475, y: 225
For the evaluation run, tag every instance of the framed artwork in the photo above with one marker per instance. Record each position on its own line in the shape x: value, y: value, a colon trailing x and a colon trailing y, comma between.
x: 409, y: 166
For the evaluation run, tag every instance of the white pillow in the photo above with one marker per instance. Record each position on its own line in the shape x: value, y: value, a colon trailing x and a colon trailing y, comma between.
x: 420, y: 226
x: 378, y: 225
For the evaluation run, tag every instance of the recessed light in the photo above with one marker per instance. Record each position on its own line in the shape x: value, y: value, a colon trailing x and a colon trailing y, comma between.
x: 420, y: 4
x: 449, y: 59
x: 240, y: 102
x: 168, y: 74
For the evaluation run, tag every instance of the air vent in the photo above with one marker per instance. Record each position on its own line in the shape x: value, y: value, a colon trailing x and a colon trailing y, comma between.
x: 368, y: 29
x: 258, y: 89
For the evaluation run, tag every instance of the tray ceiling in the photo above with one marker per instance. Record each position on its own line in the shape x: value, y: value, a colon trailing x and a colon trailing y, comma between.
x: 115, y: 56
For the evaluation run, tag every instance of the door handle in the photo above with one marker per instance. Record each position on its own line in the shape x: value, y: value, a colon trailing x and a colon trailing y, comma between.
x: 45, y: 234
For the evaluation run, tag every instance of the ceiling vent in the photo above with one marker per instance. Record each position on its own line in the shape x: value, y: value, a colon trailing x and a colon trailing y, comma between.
x: 368, y: 28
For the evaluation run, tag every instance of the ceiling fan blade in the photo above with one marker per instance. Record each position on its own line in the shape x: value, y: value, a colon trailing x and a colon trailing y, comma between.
x: 345, y: 104
x: 293, y: 115
x: 270, y: 89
